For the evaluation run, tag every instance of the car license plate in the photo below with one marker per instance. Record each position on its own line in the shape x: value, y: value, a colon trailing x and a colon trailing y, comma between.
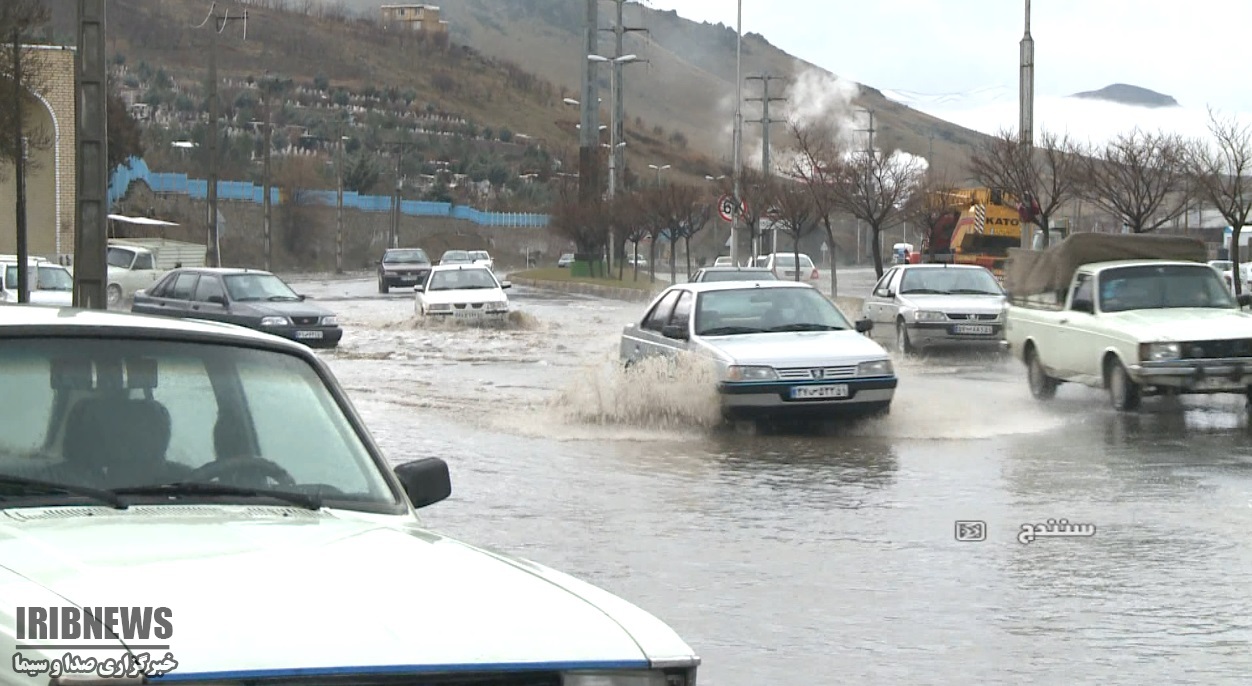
x: 309, y: 334
x: 980, y: 329
x: 812, y: 392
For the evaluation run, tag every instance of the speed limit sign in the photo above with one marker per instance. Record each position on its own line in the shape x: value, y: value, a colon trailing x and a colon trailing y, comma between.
x: 726, y: 208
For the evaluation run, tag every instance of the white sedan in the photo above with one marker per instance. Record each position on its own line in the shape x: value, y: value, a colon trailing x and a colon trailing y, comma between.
x: 462, y: 291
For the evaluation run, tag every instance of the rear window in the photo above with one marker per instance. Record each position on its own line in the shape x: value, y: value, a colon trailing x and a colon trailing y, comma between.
x: 763, y: 275
x: 789, y: 260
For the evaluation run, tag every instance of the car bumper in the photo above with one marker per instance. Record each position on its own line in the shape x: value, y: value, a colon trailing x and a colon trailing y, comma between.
x: 1229, y: 375
x: 405, y: 280
x: 470, y: 314
x: 312, y: 336
x: 926, y: 334
x: 775, y: 399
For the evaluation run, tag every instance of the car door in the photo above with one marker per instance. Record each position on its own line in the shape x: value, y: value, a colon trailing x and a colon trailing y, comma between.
x: 1067, y: 353
x: 879, y: 300
x: 200, y: 306
x: 646, y: 339
x: 155, y: 300
x: 178, y: 301
x: 680, y: 318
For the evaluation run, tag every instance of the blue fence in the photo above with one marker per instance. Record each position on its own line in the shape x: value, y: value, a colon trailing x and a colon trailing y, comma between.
x: 163, y: 182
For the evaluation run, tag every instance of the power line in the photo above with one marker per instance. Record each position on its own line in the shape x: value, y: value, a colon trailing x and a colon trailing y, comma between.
x: 219, y: 25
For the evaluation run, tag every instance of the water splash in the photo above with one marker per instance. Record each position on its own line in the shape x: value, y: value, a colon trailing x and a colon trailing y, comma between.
x: 662, y: 393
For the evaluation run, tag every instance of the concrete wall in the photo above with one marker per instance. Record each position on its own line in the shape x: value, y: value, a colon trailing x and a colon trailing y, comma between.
x: 303, y: 237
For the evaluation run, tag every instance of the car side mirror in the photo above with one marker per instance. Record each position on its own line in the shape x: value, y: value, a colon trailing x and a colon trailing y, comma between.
x: 675, y: 331
x: 864, y: 325
x: 506, y: 284
x: 1244, y: 299
x: 304, y: 297
x: 217, y: 299
x: 426, y: 481
x: 883, y: 293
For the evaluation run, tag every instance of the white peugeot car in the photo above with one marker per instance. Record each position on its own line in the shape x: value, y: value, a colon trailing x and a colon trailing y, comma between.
x: 783, y: 351
x: 159, y: 517
x: 462, y: 291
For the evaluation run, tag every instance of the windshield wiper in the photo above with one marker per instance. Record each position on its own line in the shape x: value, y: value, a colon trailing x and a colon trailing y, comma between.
x: 728, y: 331
x: 804, y: 327
x: 194, y: 488
x: 281, y: 298
x: 972, y: 291
x: 474, y: 288
x: 923, y: 291
x: 18, y: 486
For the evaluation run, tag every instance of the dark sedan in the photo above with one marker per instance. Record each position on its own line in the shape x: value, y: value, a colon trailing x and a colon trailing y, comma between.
x: 402, y: 268
x: 246, y: 297
x: 733, y: 274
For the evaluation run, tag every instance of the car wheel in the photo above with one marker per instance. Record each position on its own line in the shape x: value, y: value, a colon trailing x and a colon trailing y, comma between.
x: 1042, y: 386
x: 902, y: 339
x: 114, y: 294
x: 1123, y: 393
x: 382, y: 286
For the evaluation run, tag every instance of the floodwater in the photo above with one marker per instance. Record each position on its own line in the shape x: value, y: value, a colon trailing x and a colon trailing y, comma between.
x: 830, y: 558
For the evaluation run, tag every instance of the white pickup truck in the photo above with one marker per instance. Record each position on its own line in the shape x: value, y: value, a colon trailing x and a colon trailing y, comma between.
x: 136, y: 263
x: 1135, y: 315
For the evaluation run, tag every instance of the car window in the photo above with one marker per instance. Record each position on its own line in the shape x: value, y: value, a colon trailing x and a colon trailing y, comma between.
x: 405, y: 256
x: 1082, y: 290
x: 209, y: 286
x: 119, y: 257
x: 185, y: 286
x: 886, y: 279
x: 55, y: 278
x: 144, y: 261
x: 682, y: 310
x: 260, y: 286
x: 188, y: 396
x: 10, y: 276
x: 164, y: 287
x: 655, y: 321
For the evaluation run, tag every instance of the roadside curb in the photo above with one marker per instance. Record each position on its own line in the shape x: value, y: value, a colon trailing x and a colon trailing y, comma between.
x: 627, y: 294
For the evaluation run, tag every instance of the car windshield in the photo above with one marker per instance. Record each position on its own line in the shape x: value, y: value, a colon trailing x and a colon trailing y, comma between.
x: 461, y: 279
x: 1223, y: 266
x: 1152, y: 287
x: 949, y: 281
x: 479, y: 255
x: 245, y: 287
x: 737, y: 275
x: 414, y: 256
x: 765, y: 310
x: 107, y: 419
x: 455, y: 256
x: 54, y: 278
x: 118, y: 257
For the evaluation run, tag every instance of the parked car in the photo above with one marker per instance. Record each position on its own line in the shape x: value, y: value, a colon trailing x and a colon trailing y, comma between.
x: 462, y: 292
x: 245, y: 297
x: 723, y: 261
x: 48, y: 283
x: 402, y: 268
x: 137, y: 263
x: 732, y: 274
x: 636, y: 260
x: 482, y: 257
x: 939, y: 305
x: 781, y: 349
x: 201, y: 472
x: 784, y: 265
x: 456, y: 257
x: 566, y: 260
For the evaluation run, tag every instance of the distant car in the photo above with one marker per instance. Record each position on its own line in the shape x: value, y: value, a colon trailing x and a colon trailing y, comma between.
x: 459, y: 291
x: 456, y: 257
x: 402, y: 268
x: 482, y: 257
x: 637, y: 260
x: 784, y: 265
x: 48, y: 283
x: 733, y: 274
x: 781, y: 349
x: 928, y: 305
x: 723, y: 261
x: 245, y: 297
x: 566, y: 260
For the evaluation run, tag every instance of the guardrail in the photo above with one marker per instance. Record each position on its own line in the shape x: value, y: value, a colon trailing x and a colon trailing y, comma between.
x: 165, y: 182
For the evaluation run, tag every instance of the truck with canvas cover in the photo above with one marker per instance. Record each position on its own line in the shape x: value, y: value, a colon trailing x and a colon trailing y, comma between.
x: 137, y: 263
x: 1132, y: 314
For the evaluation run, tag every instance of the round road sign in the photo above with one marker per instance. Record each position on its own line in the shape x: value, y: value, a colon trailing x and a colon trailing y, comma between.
x: 726, y: 208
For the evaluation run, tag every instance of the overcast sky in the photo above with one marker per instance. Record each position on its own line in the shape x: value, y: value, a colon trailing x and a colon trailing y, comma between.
x: 930, y: 48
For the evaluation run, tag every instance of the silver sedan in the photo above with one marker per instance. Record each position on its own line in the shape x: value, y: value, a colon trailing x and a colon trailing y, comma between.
x: 931, y: 305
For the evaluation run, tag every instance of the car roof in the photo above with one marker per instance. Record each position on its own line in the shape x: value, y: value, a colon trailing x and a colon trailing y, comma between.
x: 705, y: 286
x: 940, y: 265
x: 458, y: 267
x: 30, y: 320
x: 1112, y: 264
x: 221, y: 270
x: 731, y: 268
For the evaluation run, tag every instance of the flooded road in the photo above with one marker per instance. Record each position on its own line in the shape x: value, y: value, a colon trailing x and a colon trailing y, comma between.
x: 828, y: 559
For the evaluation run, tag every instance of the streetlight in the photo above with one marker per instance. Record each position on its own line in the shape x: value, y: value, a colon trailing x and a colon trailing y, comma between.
x: 613, y: 142
x: 658, y: 172
x: 575, y: 103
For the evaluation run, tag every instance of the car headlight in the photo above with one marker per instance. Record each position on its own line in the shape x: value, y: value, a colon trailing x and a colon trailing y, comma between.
x: 751, y: 373
x: 1160, y: 352
x: 924, y: 316
x: 275, y: 321
x: 330, y: 321
x: 640, y: 678
x: 875, y: 368
x: 439, y: 307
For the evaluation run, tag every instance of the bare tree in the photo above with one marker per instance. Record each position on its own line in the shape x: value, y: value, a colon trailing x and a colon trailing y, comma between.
x: 693, y: 216
x: 817, y: 161
x: 23, y: 73
x: 630, y: 226
x: 656, y: 219
x: 1043, y: 177
x: 794, y: 212
x: 583, y: 223
x: 678, y: 200
x: 1138, y: 177
x: 874, y: 187
x: 1222, y: 173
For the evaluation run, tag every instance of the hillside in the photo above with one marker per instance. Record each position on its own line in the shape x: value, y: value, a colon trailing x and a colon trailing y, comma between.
x: 1125, y: 94
x: 688, y: 83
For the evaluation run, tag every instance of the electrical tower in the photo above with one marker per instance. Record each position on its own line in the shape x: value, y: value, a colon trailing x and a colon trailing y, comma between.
x: 765, y: 121
x: 869, y: 143
x: 589, y: 132
x: 619, y: 30
x: 220, y: 22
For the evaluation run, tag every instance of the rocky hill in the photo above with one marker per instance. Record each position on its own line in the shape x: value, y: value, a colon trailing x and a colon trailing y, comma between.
x: 1125, y: 94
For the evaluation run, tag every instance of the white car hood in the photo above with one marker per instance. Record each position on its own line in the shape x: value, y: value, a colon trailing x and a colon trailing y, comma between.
x: 256, y: 590
x: 974, y: 304
x: 1182, y: 324
x: 483, y: 295
x: 797, y: 349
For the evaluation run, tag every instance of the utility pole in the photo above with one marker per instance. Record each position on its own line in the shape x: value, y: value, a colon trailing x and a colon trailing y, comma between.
x: 268, y: 190
x: 589, y: 133
x: 1026, y: 91
x: 19, y: 169
x: 619, y: 110
x: 738, y: 140
x: 219, y: 24
x: 339, y: 202
x: 869, y: 144
x: 394, y: 238
x: 765, y: 122
x: 92, y: 227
